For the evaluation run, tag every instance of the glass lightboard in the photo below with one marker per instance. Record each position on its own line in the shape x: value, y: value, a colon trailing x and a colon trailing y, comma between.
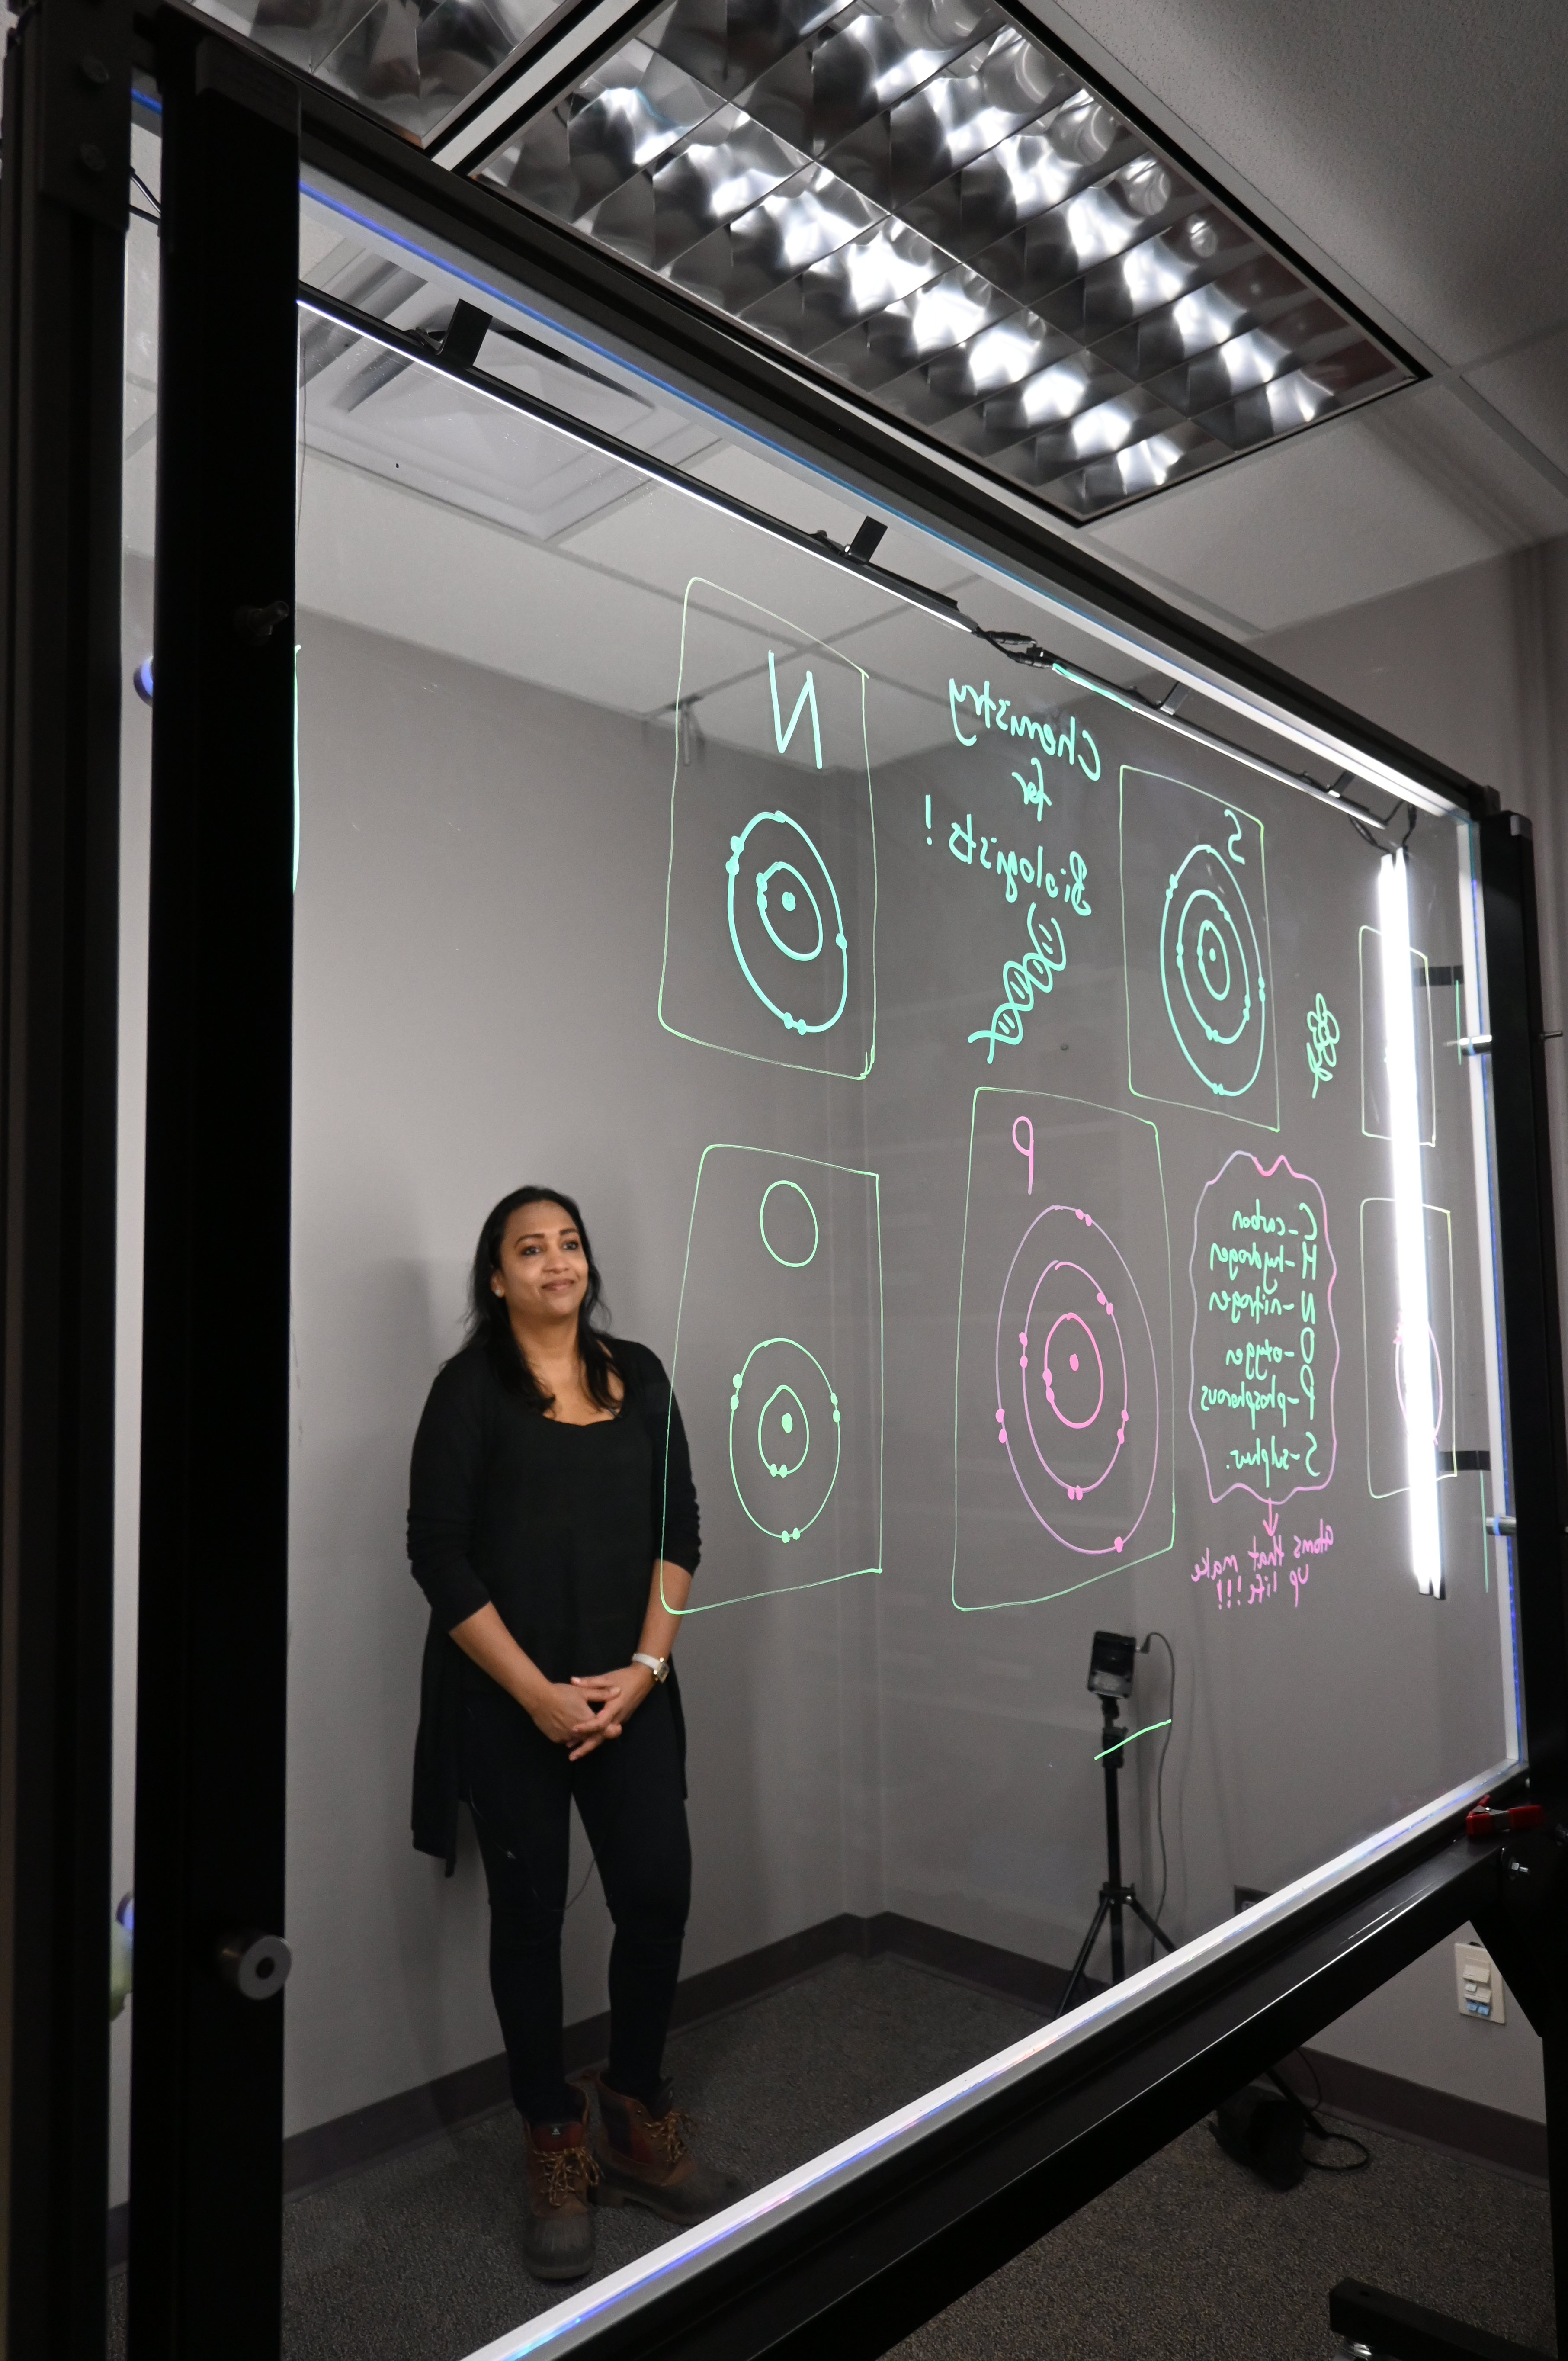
x: 1044, y: 1148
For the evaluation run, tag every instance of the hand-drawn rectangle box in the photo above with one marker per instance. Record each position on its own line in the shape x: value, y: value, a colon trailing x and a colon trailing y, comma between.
x: 770, y: 914
x: 778, y: 1369
x: 1383, y: 1346
x: 1199, y: 978
x: 1374, y: 1042
x: 1063, y: 1434
x: 1264, y: 1361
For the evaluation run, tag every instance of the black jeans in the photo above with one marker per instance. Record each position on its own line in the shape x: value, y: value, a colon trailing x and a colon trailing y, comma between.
x: 630, y: 1794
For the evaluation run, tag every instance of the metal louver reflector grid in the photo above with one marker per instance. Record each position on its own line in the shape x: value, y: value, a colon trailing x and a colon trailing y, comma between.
x: 409, y: 62
x: 936, y: 210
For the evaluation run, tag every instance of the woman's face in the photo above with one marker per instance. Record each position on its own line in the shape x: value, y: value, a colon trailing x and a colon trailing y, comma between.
x: 544, y: 1272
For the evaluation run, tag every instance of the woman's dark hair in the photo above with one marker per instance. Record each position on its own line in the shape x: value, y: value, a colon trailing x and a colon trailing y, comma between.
x: 489, y: 1323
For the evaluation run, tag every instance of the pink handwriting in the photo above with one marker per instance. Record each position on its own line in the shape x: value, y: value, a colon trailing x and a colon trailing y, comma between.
x: 1232, y: 1587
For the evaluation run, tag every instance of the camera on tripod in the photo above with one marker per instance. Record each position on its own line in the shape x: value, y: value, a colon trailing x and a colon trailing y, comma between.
x: 1111, y: 1665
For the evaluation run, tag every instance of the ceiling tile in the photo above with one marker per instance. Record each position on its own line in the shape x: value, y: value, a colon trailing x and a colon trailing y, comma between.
x: 1412, y: 488
x: 1417, y: 144
x: 370, y: 551
x: 1530, y: 389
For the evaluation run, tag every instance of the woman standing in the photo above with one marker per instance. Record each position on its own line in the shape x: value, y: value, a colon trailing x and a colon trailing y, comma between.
x: 554, y: 1528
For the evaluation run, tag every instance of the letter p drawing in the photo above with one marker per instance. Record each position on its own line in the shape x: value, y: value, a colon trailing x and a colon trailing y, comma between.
x: 1026, y: 1146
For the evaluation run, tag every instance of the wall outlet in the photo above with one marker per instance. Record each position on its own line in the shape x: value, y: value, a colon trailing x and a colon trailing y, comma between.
x: 1479, y: 1985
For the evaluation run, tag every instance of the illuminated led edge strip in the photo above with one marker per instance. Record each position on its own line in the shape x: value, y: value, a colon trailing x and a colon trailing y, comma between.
x: 1409, y: 1221
x: 572, y: 2323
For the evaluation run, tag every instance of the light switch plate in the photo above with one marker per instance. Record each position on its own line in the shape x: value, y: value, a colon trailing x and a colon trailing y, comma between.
x: 1479, y: 1984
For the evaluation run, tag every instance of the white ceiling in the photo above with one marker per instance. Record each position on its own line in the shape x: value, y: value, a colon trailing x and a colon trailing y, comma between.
x: 1413, y: 150
x: 433, y: 515
x: 1410, y: 150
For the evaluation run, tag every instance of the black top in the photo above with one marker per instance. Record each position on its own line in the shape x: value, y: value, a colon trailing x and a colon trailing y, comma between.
x: 557, y: 1525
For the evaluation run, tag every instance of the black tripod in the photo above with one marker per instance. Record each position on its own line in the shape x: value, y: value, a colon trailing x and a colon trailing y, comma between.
x: 1114, y: 1897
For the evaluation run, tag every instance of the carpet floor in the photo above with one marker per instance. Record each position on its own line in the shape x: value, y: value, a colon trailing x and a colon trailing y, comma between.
x: 418, y: 2259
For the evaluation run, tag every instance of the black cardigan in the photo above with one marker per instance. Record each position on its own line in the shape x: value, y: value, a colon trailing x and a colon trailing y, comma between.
x: 558, y: 1526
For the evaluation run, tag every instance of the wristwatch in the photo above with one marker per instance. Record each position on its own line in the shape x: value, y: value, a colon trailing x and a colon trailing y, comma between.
x: 658, y: 1666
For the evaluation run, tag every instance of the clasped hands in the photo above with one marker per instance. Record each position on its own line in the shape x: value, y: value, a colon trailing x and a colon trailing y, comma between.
x: 581, y: 1713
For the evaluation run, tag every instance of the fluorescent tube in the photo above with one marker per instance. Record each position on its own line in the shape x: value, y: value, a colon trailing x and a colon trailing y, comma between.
x: 1412, y: 1346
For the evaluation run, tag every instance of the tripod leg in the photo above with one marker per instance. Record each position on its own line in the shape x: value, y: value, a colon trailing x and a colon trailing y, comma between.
x: 1152, y: 1924
x: 1085, y: 1950
x: 1113, y: 1760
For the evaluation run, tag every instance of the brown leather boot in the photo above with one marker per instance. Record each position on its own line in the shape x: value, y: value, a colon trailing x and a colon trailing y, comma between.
x: 644, y: 2158
x: 558, y: 2229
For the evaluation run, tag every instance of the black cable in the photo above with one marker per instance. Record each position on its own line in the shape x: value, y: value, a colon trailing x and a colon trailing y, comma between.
x: 1159, y: 1785
x: 1374, y: 841
x: 1317, y: 2097
x: 1020, y: 649
x: 147, y: 192
x: 1320, y: 2163
x: 581, y: 1889
x: 1319, y: 2131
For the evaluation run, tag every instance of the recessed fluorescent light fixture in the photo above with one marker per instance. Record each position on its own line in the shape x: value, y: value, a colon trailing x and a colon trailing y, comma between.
x: 412, y: 63
x: 931, y: 208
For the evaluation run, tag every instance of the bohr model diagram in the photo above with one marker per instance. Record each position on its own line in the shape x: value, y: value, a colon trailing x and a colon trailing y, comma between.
x: 1077, y: 1396
x: 786, y: 924
x: 785, y: 1435
x: 1211, y: 970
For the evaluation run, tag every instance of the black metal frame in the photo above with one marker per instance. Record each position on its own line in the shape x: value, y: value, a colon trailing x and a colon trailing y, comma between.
x: 1387, y: 2324
x: 208, y: 2063
x: 1539, y: 1427
x: 855, y: 2270
x: 63, y: 221
x: 877, y: 2249
x: 1527, y: 1926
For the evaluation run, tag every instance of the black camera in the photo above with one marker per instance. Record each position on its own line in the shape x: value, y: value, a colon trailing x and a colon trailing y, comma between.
x: 1111, y: 1664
